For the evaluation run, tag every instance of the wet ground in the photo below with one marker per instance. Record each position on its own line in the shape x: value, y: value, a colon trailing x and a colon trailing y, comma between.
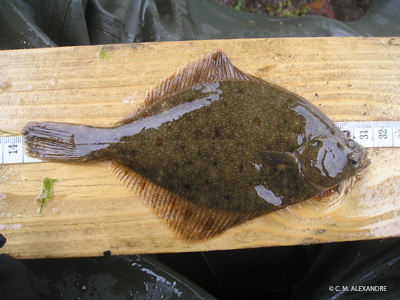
x: 342, y: 10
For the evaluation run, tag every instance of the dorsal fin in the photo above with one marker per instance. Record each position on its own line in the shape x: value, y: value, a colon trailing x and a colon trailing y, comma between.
x: 191, y: 222
x: 206, y: 69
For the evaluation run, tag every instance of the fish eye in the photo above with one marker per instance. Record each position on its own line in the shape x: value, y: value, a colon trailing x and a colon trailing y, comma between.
x: 353, y: 159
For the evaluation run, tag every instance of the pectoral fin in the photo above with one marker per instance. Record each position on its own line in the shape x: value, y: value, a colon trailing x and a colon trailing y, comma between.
x: 278, y: 158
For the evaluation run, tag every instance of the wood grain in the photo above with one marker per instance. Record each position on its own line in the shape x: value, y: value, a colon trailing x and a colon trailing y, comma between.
x: 347, y: 78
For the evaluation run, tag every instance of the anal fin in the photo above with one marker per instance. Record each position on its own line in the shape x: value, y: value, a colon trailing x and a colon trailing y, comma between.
x: 189, y: 221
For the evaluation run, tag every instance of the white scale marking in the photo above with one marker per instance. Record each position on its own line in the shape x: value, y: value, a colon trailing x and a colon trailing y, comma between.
x: 373, y: 133
x: 12, y: 151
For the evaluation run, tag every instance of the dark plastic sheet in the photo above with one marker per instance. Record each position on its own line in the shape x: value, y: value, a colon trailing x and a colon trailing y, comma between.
x: 50, y: 23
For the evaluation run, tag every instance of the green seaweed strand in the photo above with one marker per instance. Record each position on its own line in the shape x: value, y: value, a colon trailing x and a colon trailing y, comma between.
x: 47, y: 192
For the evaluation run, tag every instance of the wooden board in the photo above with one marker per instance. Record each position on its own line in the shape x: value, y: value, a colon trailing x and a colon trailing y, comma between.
x: 347, y: 78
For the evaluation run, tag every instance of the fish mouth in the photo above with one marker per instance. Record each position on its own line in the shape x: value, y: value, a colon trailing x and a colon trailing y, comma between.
x: 365, y: 161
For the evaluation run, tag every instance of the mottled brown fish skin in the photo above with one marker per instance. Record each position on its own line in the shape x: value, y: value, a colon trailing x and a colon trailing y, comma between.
x: 234, y: 146
x: 217, y: 155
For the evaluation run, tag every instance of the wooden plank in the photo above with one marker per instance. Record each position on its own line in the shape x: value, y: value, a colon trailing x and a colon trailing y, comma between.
x: 347, y: 78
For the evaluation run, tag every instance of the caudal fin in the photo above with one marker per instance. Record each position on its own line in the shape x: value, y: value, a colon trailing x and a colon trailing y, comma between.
x: 54, y: 141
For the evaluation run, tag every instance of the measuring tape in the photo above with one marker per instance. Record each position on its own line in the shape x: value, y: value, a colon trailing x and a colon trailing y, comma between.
x: 373, y: 133
x: 12, y: 151
x: 368, y: 134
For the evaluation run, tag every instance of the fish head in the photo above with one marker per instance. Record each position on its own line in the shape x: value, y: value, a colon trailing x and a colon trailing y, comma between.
x: 328, y: 161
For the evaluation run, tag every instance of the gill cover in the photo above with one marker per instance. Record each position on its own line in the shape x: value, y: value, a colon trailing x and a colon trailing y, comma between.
x: 329, y: 161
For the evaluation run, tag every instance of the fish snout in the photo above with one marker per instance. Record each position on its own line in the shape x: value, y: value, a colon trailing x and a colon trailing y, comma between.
x: 365, y: 161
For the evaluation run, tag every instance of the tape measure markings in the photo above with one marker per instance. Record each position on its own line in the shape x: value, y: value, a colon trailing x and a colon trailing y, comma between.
x: 373, y: 133
x: 12, y: 151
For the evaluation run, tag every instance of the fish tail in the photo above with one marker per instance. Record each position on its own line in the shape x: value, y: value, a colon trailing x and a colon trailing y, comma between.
x: 57, y: 141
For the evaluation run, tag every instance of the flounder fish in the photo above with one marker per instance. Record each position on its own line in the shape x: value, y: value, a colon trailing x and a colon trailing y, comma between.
x: 212, y: 147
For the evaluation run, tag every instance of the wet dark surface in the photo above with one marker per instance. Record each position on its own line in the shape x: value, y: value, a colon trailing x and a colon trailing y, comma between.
x: 286, y: 273
x: 264, y: 273
x: 95, y: 22
x: 112, y: 278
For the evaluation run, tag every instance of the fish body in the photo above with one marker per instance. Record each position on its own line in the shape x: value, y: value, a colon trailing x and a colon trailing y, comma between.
x: 212, y: 147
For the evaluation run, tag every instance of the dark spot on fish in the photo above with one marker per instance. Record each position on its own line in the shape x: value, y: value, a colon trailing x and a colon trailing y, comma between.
x: 187, y: 186
x: 159, y: 142
x: 241, y: 168
x: 217, y: 134
x: 257, y: 121
x: 198, y: 132
x: 239, y: 91
x: 72, y: 141
x: 175, y: 165
x: 215, y: 162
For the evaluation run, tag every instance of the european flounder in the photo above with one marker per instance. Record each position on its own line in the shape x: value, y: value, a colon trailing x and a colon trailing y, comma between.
x: 212, y: 147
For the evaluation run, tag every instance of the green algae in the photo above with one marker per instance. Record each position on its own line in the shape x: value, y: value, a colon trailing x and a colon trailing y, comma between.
x: 46, y: 193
